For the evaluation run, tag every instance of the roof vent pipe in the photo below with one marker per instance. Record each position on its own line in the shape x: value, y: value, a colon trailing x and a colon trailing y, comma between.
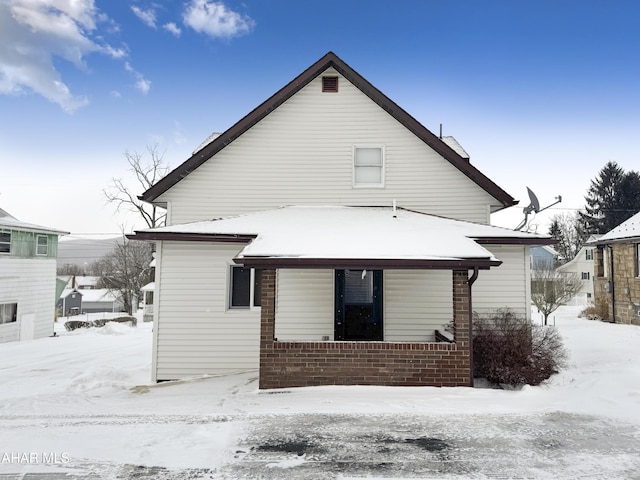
x: 394, y: 209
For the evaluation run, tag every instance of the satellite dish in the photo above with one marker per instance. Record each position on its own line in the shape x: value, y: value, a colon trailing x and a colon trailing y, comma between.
x: 534, y: 207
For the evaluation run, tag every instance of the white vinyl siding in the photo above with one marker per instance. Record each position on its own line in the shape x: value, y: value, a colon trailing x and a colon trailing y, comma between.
x: 302, y: 153
x: 196, y: 333
x: 506, y: 285
x: 305, y: 305
x: 416, y: 303
x: 31, y: 283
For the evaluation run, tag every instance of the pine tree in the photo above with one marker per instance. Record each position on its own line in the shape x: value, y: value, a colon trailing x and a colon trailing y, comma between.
x: 612, y: 198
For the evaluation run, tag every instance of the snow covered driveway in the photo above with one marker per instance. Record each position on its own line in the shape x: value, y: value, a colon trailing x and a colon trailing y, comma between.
x: 81, y: 406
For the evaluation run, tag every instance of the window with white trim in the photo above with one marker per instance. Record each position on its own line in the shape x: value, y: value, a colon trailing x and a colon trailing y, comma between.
x: 585, y: 275
x: 368, y: 166
x: 589, y: 254
x: 8, y: 312
x: 245, y: 287
x: 42, y: 245
x: 5, y: 243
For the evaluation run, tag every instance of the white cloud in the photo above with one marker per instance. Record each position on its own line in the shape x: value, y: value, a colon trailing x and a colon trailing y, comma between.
x: 148, y: 17
x: 33, y: 33
x: 142, y: 83
x: 213, y: 18
x: 172, y: 28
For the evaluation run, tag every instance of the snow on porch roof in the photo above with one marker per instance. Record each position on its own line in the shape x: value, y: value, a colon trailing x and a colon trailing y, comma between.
x: 346, y: 237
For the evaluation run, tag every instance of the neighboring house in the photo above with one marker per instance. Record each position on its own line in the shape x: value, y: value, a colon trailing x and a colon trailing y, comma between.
x: 582, y: 266
x: 101, y: 300
x: 27, y: 279
x: 617, y: 272
x: 311, y: 274
x: 82, y: 296
x: 543, y: 257
x: 69, y: 303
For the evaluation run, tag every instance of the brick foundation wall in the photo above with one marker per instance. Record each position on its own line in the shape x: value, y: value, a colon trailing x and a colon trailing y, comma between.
x: 297, y: 364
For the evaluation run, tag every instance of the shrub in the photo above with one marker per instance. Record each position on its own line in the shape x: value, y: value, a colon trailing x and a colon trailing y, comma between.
x: 509, y: 350
x: 595, y: 311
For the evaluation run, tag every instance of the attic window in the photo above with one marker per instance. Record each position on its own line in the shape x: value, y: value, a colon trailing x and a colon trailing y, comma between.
x: 330, y: 84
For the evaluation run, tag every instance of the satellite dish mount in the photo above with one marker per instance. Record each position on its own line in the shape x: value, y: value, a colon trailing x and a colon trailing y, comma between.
x: 534, y: 207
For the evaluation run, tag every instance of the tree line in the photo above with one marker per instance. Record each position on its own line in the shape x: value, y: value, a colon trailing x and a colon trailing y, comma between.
x: 613, y: 197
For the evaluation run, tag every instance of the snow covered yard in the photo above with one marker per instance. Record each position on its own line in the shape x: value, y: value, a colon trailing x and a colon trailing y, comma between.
x: 81, y: 406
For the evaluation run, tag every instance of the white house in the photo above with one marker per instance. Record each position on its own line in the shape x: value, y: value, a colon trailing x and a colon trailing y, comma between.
x: 27, y: 279
x: 582, y: 265
x: 324, y: 239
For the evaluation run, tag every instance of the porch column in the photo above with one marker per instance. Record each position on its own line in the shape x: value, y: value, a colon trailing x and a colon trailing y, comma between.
x: 462, y: 319
x: 267, y: 325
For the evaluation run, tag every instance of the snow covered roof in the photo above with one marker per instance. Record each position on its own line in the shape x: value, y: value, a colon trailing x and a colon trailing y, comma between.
x: 349, y: 236
x: 625, y: 231
x: 10, y: 222
x: 453, y: 143
x: 93, y: 295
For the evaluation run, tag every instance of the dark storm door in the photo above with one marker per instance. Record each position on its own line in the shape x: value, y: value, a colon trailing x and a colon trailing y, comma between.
x: 358, y: 309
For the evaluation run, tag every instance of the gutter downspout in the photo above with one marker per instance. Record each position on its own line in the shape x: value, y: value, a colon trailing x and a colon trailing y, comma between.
x: 470, y: 283
x: 613, y: 285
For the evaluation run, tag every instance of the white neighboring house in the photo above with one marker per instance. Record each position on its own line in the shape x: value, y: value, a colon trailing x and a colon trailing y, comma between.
x: 582, y: 265
x: 27, y: 279
x: 300, y: 293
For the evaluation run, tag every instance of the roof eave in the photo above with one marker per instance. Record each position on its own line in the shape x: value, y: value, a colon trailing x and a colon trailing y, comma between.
x: 190, y: 237
x: 367, y: 263
x: 515, y: 241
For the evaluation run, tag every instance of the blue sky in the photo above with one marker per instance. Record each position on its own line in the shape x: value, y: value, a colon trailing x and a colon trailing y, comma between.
x: 540, y: 93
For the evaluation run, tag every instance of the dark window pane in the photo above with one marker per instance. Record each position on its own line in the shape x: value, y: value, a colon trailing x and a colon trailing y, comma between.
x: 240, y: 286
x: 257, y: 288
x: 358, y: 287
x: 5, y: 242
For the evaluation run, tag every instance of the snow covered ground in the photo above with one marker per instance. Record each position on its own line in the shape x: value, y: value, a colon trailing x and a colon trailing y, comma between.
x: 81, y: 405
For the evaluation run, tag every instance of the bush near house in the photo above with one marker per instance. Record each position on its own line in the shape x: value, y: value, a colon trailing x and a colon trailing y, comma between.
x: 509, y: 350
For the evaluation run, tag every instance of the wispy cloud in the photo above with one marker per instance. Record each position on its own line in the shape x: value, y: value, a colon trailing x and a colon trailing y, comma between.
x: 172, y: 28
x: 215, y: 19
x: 34, y: 32
x: 148, y: 16
x: 142, y: 83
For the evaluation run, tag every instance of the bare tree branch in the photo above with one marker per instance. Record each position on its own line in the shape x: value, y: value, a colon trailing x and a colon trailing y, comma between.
x: 146, y: 175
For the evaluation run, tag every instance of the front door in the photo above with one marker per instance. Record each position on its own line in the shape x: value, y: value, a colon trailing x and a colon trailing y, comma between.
x: 358, y: 305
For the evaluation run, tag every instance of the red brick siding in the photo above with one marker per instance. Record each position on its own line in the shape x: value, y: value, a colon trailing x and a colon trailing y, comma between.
x: 296, y: 364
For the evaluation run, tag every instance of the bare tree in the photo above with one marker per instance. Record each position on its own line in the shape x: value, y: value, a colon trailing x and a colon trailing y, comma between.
x: 126, y: 270
x: 550, y: 288
x: 566, y: 228
x: 146, y: 175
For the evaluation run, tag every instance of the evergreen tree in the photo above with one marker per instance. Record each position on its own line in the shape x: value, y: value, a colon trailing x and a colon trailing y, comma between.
x: 612, y: 198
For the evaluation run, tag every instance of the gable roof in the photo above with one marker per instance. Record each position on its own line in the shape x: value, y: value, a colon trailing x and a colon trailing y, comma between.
x: 343, y: 237
x: 627, y: 230
x: 8, y: 221
x: 330, y: 60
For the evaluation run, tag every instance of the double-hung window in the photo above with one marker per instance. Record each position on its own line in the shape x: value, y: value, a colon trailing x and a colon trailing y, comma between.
x: 589, y: 254
x: 368, y: 166
x: 5, y: 243
x: 42, y: 245
x: 245, y: 287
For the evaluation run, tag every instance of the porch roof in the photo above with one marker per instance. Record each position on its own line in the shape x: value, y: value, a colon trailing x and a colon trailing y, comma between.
x: 350, y: 237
